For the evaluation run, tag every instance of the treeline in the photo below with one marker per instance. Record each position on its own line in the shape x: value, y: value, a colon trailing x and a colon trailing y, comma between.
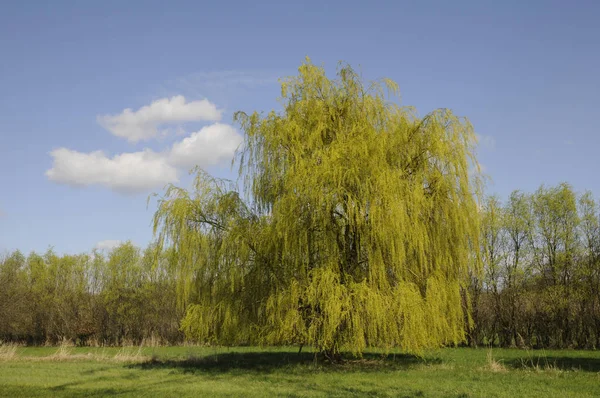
x: 124, y: 297
x: 540, y: 285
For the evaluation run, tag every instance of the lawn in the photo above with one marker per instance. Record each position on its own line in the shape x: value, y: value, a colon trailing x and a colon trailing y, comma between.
x: 249, y: 371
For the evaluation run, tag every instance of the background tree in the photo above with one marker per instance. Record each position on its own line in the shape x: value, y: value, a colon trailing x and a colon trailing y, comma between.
x: 493, y: 252
x: 555, y: 212
x: 589, y: 272
x: 357, y: 228
x: 89, y: 299
x: 517, y: 221
x: 548, y: 282
x: 13, y: 296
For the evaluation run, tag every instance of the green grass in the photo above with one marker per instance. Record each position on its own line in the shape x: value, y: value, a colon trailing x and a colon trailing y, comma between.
x: 271, y: 372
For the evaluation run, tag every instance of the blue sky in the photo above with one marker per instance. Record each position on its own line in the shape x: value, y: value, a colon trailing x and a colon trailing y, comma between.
x: 524, y: 72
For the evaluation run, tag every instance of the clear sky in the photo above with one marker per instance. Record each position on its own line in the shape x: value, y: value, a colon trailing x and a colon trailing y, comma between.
x: 102, y: 103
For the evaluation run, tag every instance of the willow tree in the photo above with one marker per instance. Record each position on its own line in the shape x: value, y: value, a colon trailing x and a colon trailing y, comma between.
x: 355, y: 229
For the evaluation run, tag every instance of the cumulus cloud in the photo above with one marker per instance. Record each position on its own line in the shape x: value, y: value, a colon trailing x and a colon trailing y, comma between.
x: 127, y: 173
x: 146, y: 170
x: 145, y: 123
x: 108, y: 244
x: 210, y: 146
x: 143, y: 171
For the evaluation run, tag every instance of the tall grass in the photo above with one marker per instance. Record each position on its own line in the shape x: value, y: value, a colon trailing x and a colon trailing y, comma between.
x: 66, y: 352
x: 8, y: 351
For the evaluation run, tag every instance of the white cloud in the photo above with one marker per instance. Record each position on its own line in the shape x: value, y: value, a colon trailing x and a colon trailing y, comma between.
x: 486, y: 141
x: 146, y: 170
x: 107, y: 244
x: 126, y: 173
x: 211, y: 145
x: 144, y: 123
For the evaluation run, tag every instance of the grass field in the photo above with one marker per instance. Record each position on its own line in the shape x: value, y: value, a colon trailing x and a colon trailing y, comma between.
x: 243, y: 371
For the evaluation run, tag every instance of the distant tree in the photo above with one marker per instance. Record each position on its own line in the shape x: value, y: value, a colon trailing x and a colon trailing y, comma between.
x: 589, y: 271
x: 89, y: 299
x: 357, y: 227
x: 517, y: 222
x: 493, y: 252
x: 555, y: 248
x: 13, y: 297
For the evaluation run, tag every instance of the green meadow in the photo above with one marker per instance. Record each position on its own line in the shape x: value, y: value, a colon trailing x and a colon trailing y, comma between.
x: 259, y: 372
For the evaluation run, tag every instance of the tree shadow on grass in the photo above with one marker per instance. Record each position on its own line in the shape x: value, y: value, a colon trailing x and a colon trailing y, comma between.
x: 267, y: 362
x: 543, y: 362
x: 60, y: 391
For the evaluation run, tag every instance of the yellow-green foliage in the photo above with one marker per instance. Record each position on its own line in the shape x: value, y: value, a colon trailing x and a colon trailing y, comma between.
x: 355, y: 231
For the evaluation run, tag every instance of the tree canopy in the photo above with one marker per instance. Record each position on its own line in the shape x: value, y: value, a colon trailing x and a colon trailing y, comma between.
x: 356, y: 225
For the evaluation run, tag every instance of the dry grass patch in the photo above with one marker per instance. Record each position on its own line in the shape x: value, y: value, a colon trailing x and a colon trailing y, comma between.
x: 66, y: 352
x: 130, y: 354
x: 8, y: 352
x: 493, y: 365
